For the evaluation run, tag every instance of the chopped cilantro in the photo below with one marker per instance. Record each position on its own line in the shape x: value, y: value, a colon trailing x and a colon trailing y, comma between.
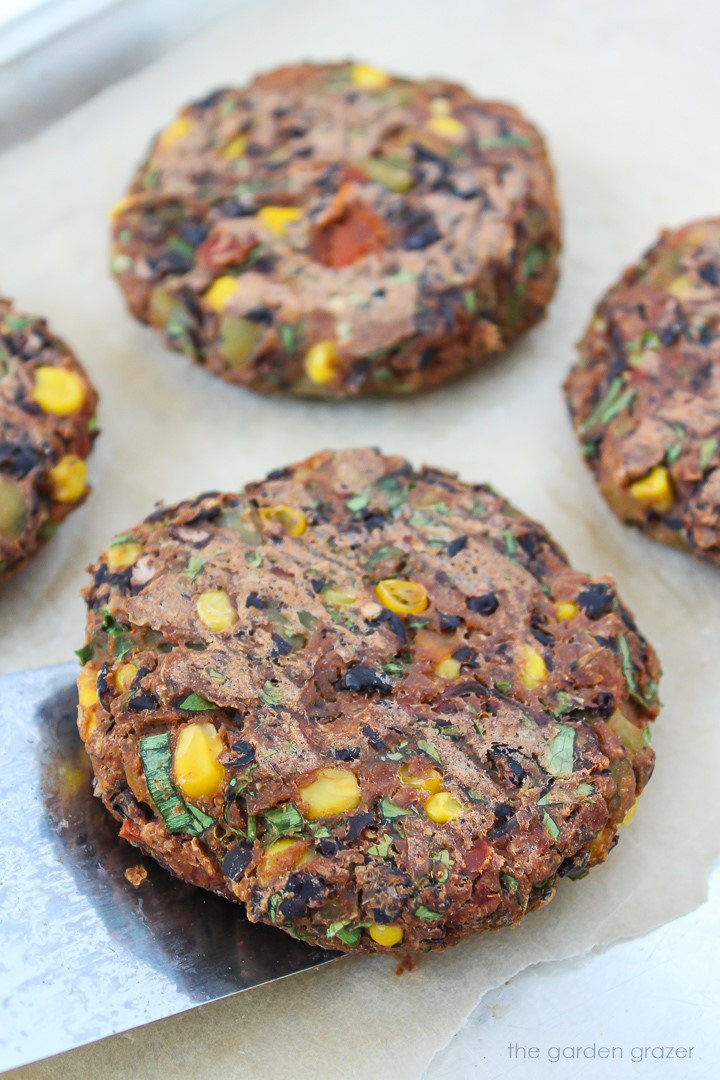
x: 270, y: 694
x: 196, y: 703
x: 560, y: 755
x: 85, y: 653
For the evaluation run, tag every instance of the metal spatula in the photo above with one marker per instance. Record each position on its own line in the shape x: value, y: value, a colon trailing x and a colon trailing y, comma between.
x: 84, y: 954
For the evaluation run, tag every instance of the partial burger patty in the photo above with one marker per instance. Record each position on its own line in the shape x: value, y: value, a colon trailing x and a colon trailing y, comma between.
x: 645, y: 393
x: 47, y: 425
x: 376, y: 706
x: 334, y: 230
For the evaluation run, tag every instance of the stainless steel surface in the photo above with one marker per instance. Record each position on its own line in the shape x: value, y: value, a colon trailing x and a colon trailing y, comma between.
x: 83, y: 954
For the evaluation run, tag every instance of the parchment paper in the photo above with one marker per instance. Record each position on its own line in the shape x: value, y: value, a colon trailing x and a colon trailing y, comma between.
x: 627, y: 95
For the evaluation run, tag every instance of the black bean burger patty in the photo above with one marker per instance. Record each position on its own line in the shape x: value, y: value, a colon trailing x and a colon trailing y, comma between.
x: 374, y: 705
x: 47, y: 425
x: 645, y: 394
x: 334, y: 230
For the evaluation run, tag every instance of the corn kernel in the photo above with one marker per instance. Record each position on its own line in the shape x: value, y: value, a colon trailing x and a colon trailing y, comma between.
x: 173, y: 133
x: 402, y: 597
x: 439, y: 106
x: 120, y: 556
x: 321, y: 362
x: 68, y: 479
x: 279, y: 852
x: 655, y: 489
x: 431, y: 782
x: 334, y: 791
x: 630, y: 814
x: 220, y: 292
x: 449, y: 668
x: 532, y: 667
x: 197, y: 770
x: 443, y: 807
x: 118, y: 208
x: 215, y: 610
x: 387, y: 934
x: 236, y: 148
x: 124, y: 677
x: 682, y: 286
x: 292, y: 520
x: 447, y: 127
x: 277, y: 218
x: 87, y: 687
x: 368, y: 77
x: 57, y: 390
x: 565, y: 609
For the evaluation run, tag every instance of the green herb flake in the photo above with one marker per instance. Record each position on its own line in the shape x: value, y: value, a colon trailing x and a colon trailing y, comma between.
x: 503, y: 687
x: 584, y: 789
x: 126, y: 538
x: 508, y: 883
x: 282, y: 821
x: 708, y: 449
x: 429, y: 749
x: 85, y: 653
x: 342, y: 929
x: 196, y: 703
x: 422, y: 912
x: 194, y: 567
x: 287, y: 337
x: 270, y: 694
x: 560, y: 755
x: 470, y: 301
x: 394, y: 668
x: 358, y: 502
x: 390, y: 810
x: 630, y: 676
x: 387, y: 551
x: 179, y: 816
x: 121, y: 647
x: 549, y: 826
x: 213, y: 673
x: 382, y: 849
x: 254, y: 558
x: 510, y: 543
x: 307, y: 620
x: 111, y: 626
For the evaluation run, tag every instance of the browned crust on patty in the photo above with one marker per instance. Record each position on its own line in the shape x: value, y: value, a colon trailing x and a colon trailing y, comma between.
x: 537, y: 729
x: 418, y: 253
x: 645, y: 394
x: 33, y: 439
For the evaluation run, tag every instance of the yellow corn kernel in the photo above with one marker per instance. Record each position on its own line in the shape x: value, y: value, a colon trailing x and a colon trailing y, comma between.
x: 68, y: 479
x: 449, y: 668
x: 277, y: 218
x: 655, y: 489
x: 120, y: 556
x: 338, y: 598
x: 173, y: 133
x: 334, y: 791
x: 532, y: 667
x: 220, y: 292
x: 292, y: 520
x: 215, y: 610
x: 630, y: 814
x: 57, y: 390
x: 124, y: 677
x: 368, y: 77
x: 236, y: 148
x: 682, y: 286
x: 279, y: 851
x: 432, y: 782
x: 321, y: 362
x: 565, y: 609
x: 387, y: 934
x: 118, y: 208
x: 439, y: 106
x: 87, y: 687
x: 446, y: 126
x: 402, y: 597
x: 197, y: 770
x: 442, y: 807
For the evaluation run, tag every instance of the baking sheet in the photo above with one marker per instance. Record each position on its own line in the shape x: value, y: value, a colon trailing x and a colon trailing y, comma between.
x: 627, y: 96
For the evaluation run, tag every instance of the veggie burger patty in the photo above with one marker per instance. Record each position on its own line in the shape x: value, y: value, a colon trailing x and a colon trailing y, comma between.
x: 335, y: 230
x: 374, y: 705
x: 645, y: 394
x: 47, y: 425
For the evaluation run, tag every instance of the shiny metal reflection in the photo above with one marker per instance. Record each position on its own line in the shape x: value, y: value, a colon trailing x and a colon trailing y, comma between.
x: 83, y: 954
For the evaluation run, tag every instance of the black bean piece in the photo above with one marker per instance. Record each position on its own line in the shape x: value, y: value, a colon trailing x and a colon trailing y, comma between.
x: 283, y: 647
x: 709, y: 273
x: 347, y: 753
x: 142, y: 703
x: 357, y: 823
x: 596, y: 599
x: 374, y: 739
x: 449, y: 622
x: 360, y: 677
x: 483, y: 605
x: 243, y: 754
x: 253, y: 600
x: 456, y: 545
x: 236, y: 861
